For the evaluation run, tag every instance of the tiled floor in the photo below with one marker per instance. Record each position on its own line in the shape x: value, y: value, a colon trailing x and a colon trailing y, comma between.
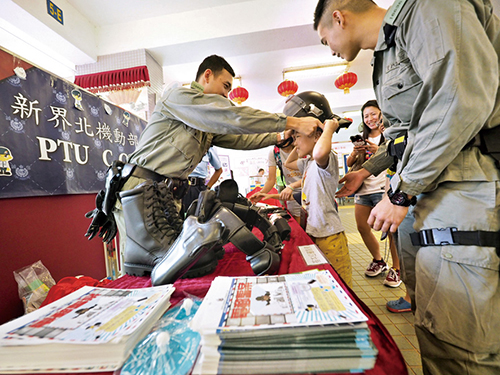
x: 375, y: 294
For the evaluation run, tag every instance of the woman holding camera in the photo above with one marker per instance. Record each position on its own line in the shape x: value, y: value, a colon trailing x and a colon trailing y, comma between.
x: 372, y: 191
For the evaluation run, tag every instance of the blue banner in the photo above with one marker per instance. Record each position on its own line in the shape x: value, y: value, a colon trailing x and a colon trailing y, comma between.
x: 56, y: 138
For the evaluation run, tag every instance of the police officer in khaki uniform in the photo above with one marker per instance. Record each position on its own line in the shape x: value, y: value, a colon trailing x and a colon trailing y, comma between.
x: 436, y: 78
x: 186, y: 122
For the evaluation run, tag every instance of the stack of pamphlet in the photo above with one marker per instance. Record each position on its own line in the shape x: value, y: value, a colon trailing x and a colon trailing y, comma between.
x: 91, y: 329
x: 298, y: 323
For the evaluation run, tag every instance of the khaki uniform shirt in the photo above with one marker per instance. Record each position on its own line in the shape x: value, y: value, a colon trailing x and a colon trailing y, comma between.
x: 186, y: 122
x: 441, y: 85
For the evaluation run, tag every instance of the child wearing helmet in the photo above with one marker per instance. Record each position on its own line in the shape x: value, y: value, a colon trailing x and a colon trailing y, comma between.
x: 318, y: 164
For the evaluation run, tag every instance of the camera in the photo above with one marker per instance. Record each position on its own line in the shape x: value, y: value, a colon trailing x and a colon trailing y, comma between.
x: 357, y: 140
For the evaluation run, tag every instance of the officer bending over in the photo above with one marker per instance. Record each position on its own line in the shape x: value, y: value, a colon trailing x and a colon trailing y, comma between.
x: 185, y: 123
x: 436, y: 78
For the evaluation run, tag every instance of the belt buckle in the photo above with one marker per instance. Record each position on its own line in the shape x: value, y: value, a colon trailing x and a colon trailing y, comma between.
x: 443, y: 236
x: 192, y: 181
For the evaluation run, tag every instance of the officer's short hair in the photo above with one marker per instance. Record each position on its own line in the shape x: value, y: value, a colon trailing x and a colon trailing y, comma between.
x: 327, y: 6
x: 216, y: 64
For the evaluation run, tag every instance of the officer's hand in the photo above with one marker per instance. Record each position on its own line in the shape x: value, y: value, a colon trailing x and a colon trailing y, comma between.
x: 303, y: 125
x: 352, y: 182
x: 386, y: 216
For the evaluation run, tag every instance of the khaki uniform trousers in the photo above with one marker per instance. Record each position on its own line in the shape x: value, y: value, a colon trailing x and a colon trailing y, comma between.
x: 455, y: 289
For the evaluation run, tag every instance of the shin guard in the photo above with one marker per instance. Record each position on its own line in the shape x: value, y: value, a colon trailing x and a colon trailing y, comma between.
x: 195, y: 240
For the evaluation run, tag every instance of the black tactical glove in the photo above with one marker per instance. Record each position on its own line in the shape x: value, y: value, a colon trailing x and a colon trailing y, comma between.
x: 103, y: 224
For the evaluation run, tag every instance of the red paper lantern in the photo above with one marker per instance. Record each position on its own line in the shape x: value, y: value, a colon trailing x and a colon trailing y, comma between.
x: 238, y: 95
x: 287, y: 88
x: 345, y: 81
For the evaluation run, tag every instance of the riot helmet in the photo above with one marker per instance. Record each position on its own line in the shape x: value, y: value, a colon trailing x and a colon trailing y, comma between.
x: 312, y: 103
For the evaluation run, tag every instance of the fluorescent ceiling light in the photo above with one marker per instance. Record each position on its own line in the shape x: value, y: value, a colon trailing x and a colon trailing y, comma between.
x: 309, y: 71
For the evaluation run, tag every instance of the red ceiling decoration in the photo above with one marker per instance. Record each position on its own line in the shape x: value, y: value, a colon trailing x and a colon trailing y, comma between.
x: 287, y: 88
x: 238, y: 95
x: 122, y: 79
x: 345, y: 81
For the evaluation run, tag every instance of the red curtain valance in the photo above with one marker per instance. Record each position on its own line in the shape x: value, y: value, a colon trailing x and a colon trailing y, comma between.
x: 122, y: 79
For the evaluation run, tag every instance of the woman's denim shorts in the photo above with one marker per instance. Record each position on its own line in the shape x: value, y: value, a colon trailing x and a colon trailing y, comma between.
x: 369, y: 200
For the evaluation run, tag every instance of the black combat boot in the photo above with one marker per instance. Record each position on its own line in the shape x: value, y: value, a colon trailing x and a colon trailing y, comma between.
x: 152, y: 225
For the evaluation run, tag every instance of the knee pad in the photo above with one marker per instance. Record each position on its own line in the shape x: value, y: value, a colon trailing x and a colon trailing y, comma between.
x: 204, y: 207
x: 227, y: 191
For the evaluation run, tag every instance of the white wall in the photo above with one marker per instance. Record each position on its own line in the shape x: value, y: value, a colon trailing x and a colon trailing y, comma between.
x: 245, y: 163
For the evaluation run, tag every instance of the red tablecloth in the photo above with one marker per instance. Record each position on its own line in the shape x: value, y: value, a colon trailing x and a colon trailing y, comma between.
x: 389, y: 359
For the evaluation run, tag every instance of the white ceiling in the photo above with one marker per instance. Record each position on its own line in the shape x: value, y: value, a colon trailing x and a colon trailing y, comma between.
x: 259, y: 38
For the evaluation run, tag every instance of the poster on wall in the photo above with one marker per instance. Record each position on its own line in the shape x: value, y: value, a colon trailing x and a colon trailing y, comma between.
x: 55, y: 137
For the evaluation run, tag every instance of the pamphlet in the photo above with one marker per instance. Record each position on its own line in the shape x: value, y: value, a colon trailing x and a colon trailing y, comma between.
x: 91, y: 328
x: 297, y: 323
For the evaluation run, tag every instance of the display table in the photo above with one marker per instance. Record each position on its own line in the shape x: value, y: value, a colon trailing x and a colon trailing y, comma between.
x: 389, y: 359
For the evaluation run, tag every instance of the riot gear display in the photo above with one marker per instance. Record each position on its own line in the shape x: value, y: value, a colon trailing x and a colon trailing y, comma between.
x: 160, y: 243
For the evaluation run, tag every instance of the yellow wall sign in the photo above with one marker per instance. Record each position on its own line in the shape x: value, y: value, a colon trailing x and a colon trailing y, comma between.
x: 55, y: 12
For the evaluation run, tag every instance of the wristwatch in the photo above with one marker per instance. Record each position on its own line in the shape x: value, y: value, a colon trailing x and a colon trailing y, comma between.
x: 399, y: 198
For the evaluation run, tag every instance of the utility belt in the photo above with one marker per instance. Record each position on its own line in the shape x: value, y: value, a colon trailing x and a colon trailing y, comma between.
x: 196, y: 181
x: 119, y: 173
x: 452, y: 236
x: 396, y: 147
x: 488, y: 141
x: 178, y: 186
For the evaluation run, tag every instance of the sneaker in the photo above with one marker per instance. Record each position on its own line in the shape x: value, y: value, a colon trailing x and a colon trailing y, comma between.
x: 393, y: 279
x: 398, y: 306
x: 376, y: 267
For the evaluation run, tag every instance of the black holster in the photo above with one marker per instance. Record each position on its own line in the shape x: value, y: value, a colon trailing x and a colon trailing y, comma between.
x: 396, y: 147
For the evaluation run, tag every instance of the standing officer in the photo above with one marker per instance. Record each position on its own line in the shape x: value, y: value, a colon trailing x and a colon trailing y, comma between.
x: 436, y: 78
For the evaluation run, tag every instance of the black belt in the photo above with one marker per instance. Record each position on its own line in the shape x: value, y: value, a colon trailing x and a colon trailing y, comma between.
x: 147, y: 174
x: 452, y: 236
x: 198, y: 181
x: 179, y: 187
